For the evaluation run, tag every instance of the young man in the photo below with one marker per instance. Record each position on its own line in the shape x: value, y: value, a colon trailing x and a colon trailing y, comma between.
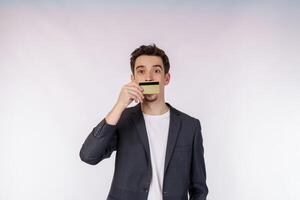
x: 159, y: 149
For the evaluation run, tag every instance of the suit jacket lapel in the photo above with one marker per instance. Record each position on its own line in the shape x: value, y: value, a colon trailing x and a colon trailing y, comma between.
x: 139, y: 123
x: 174, y: 127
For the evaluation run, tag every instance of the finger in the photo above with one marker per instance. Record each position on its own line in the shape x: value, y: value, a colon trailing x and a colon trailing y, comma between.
x: 132, y: 85
x: 132, y: 98
x: 134, y: 95
x: 136, y: 99
x: 136, y: 84
x: 136, y: 90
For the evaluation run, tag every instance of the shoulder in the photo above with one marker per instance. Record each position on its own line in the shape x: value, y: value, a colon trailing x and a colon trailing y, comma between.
x: 189, y: 123
x: 187, y: 118
x: 185, y: 115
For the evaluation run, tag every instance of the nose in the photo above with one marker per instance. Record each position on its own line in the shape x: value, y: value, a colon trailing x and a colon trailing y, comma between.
x: 149, y: 76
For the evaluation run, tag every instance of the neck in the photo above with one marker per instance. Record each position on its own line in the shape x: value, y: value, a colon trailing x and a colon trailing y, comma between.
x: 154, y: 108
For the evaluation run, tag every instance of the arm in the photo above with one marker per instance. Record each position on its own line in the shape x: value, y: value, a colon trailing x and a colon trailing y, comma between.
x: 102, y: 141
x: 198, y: 189
x: 99, y: 144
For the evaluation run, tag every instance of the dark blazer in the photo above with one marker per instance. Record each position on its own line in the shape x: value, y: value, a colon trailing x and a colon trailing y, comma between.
x: 184, y: 171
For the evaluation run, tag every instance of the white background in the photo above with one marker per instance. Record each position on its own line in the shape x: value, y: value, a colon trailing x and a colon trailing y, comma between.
x: 234, y: 67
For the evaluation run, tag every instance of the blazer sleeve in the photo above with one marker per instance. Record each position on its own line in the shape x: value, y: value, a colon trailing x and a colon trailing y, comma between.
x: 100, y: 143
x: 198, y: 189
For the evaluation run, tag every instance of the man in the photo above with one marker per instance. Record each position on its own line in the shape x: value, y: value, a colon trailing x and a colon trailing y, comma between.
x: 159, y: 149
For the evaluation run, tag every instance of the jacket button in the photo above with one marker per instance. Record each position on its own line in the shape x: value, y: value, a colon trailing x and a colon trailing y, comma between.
x: 164, y: 192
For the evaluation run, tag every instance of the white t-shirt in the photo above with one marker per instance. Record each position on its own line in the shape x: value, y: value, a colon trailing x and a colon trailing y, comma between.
x: 157, y: 127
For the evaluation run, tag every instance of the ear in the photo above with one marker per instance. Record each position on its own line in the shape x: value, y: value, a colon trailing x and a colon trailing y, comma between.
x: 132, y: 77
x: 167, y: 78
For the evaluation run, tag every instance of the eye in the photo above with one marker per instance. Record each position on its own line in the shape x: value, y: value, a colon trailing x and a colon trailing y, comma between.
x: 140, y: 71
x: 157, y: 71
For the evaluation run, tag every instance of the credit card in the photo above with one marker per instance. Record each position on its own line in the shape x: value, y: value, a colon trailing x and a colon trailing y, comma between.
x: 150, y: 87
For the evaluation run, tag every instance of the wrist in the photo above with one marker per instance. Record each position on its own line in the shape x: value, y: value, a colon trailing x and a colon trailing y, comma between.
x: 119, y: 106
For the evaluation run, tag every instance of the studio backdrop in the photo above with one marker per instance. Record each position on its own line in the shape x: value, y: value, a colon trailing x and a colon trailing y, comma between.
x: 234, y: 66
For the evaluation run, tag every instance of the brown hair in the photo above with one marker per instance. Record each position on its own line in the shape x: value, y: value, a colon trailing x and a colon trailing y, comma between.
x: 150, y: 50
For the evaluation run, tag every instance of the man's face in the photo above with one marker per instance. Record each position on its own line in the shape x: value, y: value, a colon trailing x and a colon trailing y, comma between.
x: 150, y: 68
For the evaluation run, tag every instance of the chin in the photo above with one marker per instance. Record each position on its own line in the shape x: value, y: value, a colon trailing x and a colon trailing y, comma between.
x: 151, y: 97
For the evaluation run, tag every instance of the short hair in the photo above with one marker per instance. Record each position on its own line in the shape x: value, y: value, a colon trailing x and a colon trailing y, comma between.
x: 150, y: 50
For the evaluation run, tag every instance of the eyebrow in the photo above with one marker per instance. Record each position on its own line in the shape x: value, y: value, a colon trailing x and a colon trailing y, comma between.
x: 142, y: 66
